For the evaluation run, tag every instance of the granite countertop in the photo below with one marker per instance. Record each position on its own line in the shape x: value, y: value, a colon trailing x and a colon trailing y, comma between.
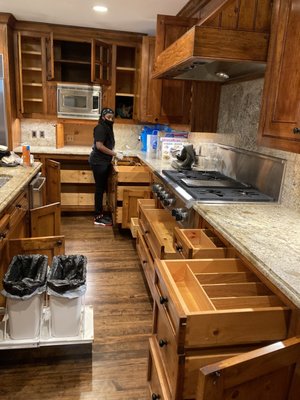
x: 20, y: 177
x: 268, y: 235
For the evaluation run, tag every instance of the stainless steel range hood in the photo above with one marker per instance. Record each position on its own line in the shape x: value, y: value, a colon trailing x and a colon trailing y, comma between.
x: 219, y: 71
x: 211, y: 54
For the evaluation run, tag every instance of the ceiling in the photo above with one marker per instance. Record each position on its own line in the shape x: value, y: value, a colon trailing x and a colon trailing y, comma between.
x: 129, y: 15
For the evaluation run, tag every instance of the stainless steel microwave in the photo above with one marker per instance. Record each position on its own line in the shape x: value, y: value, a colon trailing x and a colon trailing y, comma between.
x: 78, y: 101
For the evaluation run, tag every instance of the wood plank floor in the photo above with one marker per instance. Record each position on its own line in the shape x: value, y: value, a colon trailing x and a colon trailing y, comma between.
x: 116, y: 368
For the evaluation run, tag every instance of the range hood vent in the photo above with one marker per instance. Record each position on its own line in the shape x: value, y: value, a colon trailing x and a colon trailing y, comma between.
x: 211, y: 54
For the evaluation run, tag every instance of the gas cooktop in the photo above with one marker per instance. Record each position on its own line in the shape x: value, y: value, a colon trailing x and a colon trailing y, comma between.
x: 214, y: 186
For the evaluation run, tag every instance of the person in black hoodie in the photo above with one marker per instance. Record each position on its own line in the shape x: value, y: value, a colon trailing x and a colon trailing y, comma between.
x: 100, y: 161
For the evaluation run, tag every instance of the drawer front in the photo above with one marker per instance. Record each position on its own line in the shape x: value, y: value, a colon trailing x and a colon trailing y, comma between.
x: 172, y: 310
x: 121, y: 189
x: 196, y: 243
x: 158, y: 386
x: 167, y: 348
x: 133, y: 174
x: 18, y: 210
x: 232, y: 310
x: 146, y: 260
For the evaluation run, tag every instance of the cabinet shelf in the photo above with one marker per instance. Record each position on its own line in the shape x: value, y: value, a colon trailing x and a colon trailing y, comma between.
x: 126, y: 94
x: 32, y: 53
x: 32, y: 84
x: 126, y: 69
x: 73, y: 62
x: 39, y: 69
x: 36, y: 100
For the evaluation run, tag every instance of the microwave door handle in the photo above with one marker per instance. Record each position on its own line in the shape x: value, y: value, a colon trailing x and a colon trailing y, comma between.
x: 96, y: 102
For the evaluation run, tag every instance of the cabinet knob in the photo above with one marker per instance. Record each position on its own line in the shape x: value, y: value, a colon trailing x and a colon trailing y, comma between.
x: 18, y: 206
x: 2, y: 235
x: 296, y: 130
x: 163, y: 300
x: 162, y: 343
x: 59, y: 243
x: 155, y: 396
x: 179, y: 248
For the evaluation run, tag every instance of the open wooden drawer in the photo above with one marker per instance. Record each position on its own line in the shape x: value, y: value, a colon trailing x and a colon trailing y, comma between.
x: 181, y: 370
x: 157, y: 226
x: 199, y: 243
x: 218, y: 302
x: 133, y: 173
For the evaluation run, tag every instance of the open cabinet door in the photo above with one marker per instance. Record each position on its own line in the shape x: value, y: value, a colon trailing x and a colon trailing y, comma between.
x: 269, y: 373
x: 45, y: 221
x: 49, y: 246
x: 53, y: 181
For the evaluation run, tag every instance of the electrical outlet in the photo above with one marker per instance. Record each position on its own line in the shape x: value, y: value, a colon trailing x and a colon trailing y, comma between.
x: 42, y: 134
x: 33, y: 134
x: 70, y: 138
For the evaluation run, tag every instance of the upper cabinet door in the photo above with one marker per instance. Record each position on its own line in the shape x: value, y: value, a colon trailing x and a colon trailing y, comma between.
x: 280, y: 117
x: 101, y: 63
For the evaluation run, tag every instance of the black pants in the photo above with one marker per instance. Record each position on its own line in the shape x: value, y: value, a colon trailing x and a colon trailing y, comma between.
x: 101, y: 173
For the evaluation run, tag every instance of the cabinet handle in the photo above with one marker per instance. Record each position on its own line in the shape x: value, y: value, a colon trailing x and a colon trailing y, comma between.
x: 155, y: 396
x: 296, y: 130
x: 162, y: 343
x: 2, y: 236
x: 59, y: 243
x: 163, y: 300
x: 179, y: 248
x: 18, y: 206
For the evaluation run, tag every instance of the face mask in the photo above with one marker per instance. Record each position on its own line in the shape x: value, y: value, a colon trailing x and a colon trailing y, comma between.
x: 109, y: 123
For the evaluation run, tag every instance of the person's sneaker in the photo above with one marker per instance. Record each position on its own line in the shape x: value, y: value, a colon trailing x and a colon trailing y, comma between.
x: 107, y: 218
x: 100, y: 220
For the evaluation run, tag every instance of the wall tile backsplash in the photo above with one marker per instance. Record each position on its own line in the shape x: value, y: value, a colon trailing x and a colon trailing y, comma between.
x: 126, y: 136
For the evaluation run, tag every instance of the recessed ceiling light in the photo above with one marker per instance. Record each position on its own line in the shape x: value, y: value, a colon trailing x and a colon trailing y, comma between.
x: 101, y: 9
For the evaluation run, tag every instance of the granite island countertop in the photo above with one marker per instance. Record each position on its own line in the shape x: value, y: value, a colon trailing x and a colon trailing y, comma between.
x: 268, y: 235
x: 20, y: 177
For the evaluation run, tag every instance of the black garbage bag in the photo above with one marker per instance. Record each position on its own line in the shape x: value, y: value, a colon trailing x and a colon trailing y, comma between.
x: 25, y: 274
x: 67, y: 273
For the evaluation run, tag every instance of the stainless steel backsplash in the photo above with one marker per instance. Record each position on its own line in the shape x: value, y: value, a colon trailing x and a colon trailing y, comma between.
x: 264, y: 172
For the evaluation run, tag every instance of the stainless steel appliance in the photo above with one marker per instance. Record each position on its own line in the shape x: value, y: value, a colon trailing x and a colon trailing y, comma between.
x: 79, y: 101
x: 250, y: 177
x: 36, y: 188
x: 3, y: 123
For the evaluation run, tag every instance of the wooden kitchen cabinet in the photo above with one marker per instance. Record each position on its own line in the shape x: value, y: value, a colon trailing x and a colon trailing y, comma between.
x: 30, y: 51
x: 280, y: 115
x: 175, y: 101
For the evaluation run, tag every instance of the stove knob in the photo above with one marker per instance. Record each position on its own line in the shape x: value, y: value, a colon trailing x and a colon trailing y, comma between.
x: 181, y: 214
x: 156, y: 187
x: 162, y: 194
x: 174, y: 212
x: 169, y: 201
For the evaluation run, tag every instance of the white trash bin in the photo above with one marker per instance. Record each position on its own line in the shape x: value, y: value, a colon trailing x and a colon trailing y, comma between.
x: 66, y: 287
x: 24, y: 286
x: 24, y: 317
x: 65, y: 316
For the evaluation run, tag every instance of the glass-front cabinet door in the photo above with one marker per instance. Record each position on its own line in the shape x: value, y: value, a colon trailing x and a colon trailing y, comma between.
x: 101, y: 65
